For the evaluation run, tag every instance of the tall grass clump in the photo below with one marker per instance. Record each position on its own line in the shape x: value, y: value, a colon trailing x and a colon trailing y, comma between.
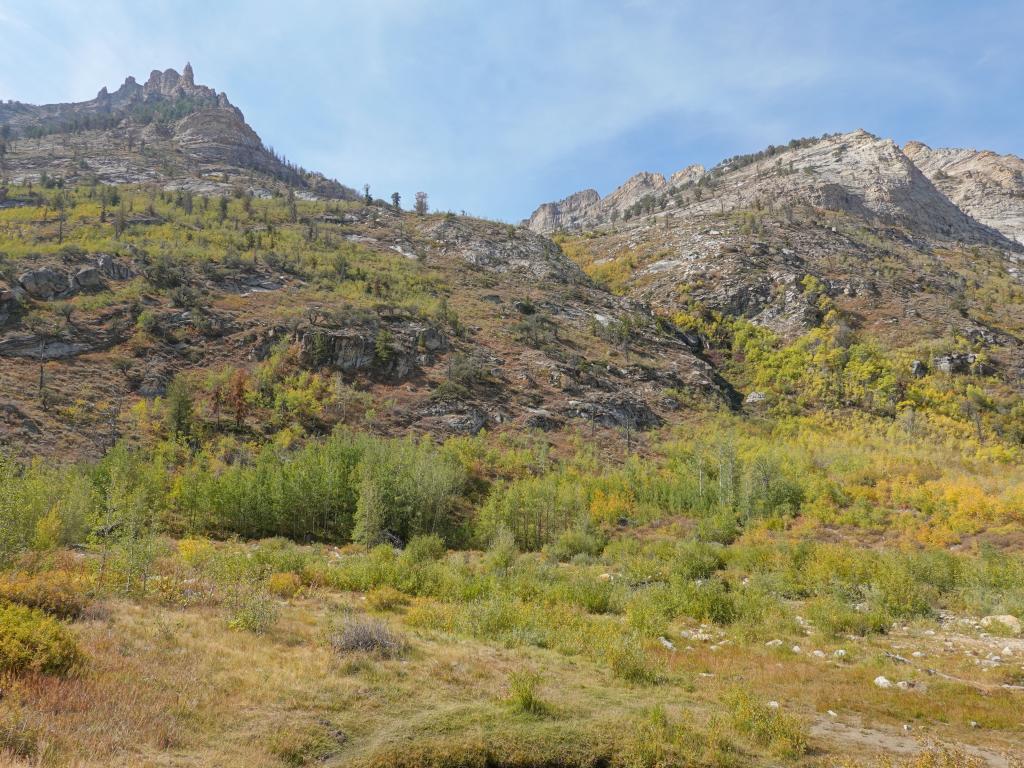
x: 524, y: 697
x: 782, y: 733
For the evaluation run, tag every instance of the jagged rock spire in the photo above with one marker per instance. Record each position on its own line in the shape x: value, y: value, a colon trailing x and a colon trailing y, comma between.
x: 187, y: 75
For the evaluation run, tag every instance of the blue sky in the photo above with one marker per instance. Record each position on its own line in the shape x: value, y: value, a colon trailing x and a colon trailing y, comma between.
x: 493, y: 108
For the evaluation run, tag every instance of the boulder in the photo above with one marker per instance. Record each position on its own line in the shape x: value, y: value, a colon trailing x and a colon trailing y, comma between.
x: 918, y: 369
x: 113, y: 269
x: 539, y: 418
x: 89, y: 279
x: 432, y: 340
x: 356, y: 350
x: 754, y: 398
x: 44, y: 283
x: 469, y: 423
x: 615, y: 412
x: 955, y: 362
x: 883, y: 682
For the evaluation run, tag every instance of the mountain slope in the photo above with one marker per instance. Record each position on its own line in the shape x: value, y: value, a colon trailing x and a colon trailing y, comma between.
x: 842, y: 238
x: 438, y: 323
x: 168, y: 131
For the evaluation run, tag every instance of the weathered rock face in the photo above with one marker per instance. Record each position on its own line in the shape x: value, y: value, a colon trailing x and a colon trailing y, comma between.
x: 614, y: 411
x: 574, y: 212
x: 88, y: 279
x: 393, y: 353
x: 987, y: 186
x: 514, y: 250
x: 112, y: 268
x: 587, y: 209
x: 220, y: 135
x: 963, y: 362
x: 44, y: 283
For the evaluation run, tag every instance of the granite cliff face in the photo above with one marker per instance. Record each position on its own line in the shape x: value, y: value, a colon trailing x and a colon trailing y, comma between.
x: 169, y: 130
x: 988, y: 186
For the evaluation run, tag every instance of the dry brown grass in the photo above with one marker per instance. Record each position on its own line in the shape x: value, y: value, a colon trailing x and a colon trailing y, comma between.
x: 177, y: 686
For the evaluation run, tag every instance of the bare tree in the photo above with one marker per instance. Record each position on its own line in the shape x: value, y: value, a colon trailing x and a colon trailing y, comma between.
x: 421, y: 203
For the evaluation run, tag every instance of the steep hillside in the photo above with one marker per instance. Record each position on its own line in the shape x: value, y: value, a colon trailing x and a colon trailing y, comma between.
x: 844, y: 232
x: 446, y: 324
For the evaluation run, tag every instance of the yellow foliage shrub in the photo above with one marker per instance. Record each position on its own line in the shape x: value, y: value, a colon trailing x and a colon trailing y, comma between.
x: 284, y: 585
x: 57, y: 593
x: 31, y: 641
x: 386, y: 599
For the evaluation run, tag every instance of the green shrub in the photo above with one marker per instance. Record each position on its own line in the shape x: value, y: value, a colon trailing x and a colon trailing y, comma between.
x: 386, y: 599
x: 895, y: 591
x: 697, y: 560
x: 424, y: 548
x: 706, y: 601
x: 833, y: 617
x: 719, y: 528
x: 591, y: 595
x: 576, y: 541
x: 31, y: 641
x: 649, y: 611
x: 251, y: 609
x: 502, y: 552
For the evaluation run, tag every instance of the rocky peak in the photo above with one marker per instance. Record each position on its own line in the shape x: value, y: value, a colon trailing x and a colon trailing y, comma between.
x: 588, y: 209
x: 986, y: 185
x: 856, y: 172
x: 689, y: 175
x: 173, y: 117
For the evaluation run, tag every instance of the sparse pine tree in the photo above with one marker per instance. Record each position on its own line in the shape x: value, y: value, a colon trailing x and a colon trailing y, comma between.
x: 179, y: 407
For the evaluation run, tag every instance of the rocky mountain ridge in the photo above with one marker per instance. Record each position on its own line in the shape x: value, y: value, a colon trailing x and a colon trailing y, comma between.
x: 24, y: 119
x: 855, y: 172
x: 169, y: 131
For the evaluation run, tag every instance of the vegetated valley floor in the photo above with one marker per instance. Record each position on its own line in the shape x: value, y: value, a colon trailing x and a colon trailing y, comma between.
x: 228, y: 552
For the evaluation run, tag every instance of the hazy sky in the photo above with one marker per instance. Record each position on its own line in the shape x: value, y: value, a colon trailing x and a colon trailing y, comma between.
x: 495, y: 107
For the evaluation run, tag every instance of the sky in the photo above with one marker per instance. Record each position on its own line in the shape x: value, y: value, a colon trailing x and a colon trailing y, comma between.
x: 493, y: 108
